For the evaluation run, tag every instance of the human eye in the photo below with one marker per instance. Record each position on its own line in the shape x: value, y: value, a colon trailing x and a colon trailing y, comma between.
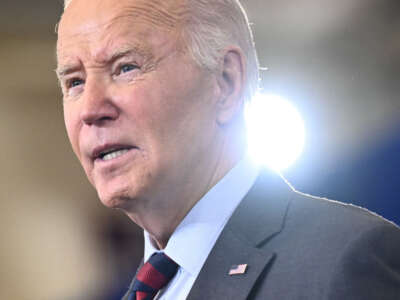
x: 73, y: 86
x: 125, y: 68
x: 74, y: 82
x: 126, y: 72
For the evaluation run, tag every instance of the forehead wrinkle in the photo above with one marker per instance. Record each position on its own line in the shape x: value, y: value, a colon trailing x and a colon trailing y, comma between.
x: 111, y: 50
x: 167, y: 15
x: 70, y: 39
x: 158, y: 13
x: 105, y: 56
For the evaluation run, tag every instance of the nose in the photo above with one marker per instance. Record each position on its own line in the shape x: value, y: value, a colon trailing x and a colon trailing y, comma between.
x: 98, y: 107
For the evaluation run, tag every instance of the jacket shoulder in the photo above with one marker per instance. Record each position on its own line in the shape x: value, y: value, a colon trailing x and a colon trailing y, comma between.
x: 316, y: 211
x: 331, y: 250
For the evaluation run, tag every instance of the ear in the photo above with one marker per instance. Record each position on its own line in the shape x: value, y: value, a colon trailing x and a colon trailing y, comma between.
x: 231, y: 80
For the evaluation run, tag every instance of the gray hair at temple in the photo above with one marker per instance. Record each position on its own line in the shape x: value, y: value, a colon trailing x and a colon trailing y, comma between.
x: 213, y: 25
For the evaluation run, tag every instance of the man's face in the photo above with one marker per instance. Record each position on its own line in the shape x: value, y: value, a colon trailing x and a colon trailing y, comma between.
x: 139, y: 113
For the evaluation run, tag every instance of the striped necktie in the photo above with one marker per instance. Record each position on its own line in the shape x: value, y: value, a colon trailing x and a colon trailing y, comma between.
x: 153, y: 276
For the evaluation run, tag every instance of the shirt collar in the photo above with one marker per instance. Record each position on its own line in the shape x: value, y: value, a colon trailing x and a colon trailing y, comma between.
x: 194, y: 238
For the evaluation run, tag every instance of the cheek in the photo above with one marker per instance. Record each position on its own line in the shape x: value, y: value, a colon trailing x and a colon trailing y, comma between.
x: 71, y: 125
x: 144, y: 109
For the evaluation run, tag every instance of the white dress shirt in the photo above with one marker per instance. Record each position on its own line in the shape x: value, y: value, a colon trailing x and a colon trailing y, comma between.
x: 194, y: 238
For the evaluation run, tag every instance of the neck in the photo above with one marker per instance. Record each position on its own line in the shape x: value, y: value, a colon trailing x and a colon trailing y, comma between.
x: 161, y: 221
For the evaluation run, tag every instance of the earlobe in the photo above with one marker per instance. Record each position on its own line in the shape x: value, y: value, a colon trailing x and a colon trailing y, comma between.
x: 231, y: 80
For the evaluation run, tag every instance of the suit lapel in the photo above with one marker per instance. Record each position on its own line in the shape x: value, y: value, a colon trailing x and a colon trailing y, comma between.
x: 258, y: 218
x: 214, y: 281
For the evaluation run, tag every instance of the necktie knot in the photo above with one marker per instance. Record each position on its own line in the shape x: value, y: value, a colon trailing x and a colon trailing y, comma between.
x: 153, y: 276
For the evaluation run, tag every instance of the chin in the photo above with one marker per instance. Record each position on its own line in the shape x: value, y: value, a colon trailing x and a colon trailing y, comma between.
x: 116, y: 199
x: 120, y: 192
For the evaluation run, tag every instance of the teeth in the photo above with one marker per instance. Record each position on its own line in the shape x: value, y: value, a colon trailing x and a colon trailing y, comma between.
x: 114, y: 154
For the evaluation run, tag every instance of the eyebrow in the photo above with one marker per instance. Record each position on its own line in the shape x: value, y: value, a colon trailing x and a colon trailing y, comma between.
x: 123, y: 51
x: 65, y: 70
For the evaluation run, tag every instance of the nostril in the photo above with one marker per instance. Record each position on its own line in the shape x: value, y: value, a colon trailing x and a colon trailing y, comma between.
x: 97, y: 119
x: 105, y: 119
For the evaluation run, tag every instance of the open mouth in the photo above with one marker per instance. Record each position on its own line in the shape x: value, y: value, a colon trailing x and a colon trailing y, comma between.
x: 110, y: 153
x: 113, y: 154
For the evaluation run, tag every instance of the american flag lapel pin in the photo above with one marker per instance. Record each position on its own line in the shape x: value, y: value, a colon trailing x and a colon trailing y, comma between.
x: 238, y: 269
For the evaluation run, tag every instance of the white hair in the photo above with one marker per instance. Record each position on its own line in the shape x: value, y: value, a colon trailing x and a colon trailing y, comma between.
x: 213, y: 25
x: 66, y: 3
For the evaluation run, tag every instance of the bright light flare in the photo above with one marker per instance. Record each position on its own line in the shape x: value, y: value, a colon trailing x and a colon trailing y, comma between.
x: 275, y: 131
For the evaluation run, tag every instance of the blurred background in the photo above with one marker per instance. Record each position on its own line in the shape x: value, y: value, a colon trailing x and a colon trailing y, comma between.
x: 337, y: 61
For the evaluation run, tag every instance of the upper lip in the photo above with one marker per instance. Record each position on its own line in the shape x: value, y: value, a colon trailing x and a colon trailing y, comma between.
x: 104, y: 149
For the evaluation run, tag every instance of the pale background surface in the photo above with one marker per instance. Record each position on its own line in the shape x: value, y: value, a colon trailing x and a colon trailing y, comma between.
x: 338, y: 61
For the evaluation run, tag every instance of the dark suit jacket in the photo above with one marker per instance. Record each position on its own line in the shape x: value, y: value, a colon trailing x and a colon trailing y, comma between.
x: 301, y: 247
